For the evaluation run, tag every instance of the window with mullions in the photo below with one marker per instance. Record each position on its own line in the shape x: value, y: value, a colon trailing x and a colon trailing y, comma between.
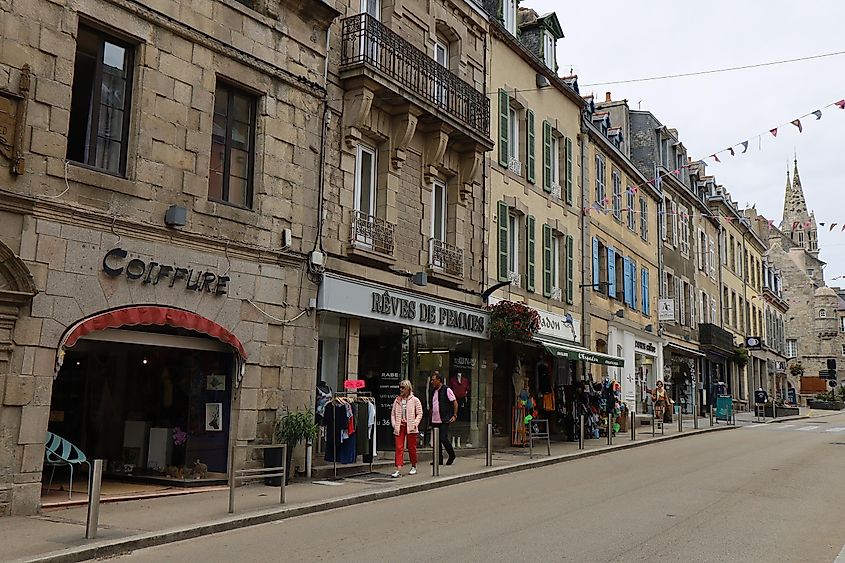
x: 230, y: 176
x: 100, y: 101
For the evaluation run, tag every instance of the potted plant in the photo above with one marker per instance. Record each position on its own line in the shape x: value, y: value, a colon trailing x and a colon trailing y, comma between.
x: 796, y: 370
x: 291, y: 429
x: 510, y: 320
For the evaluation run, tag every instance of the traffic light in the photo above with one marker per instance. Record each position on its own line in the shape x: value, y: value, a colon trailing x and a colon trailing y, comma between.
x: 831, y: 364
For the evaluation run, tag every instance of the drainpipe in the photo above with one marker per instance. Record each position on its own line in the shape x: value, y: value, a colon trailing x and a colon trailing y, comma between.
x: 586, y: 247
x: 327, y: 116
x: 484, y: 213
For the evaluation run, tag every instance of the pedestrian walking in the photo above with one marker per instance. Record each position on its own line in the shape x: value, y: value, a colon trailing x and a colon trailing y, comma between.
x: 660, y: 400
x: 444, y: 411
x: 405, y: 417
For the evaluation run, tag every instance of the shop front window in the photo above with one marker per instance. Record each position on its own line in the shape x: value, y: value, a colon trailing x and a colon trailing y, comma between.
x: 152, y: 411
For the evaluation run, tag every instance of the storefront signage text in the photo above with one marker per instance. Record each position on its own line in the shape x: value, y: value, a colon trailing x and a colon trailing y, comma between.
x: 404, y: 308
x: 115, y: 264
x: 646, y: 346
x: 354, y: 384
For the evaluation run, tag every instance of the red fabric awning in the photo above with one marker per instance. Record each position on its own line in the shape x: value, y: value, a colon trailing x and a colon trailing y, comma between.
x: 150, y: 315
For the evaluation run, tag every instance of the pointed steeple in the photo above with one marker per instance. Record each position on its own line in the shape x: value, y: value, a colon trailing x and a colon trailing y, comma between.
x: 795, y: 214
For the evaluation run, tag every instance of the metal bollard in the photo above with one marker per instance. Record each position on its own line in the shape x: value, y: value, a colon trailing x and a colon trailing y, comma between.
x: 581, y: 433
x: 695, y: 417
x: 711, y: 416
x: 94, y: 482
x: 490, y: 445
x: 653, y: 424
x: 609, y: 431
x: 633, y: 426
x: 435, y: 452
x: 680, y: 419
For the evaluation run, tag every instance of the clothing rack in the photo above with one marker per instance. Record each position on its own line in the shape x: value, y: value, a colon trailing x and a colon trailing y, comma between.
x: 349, y: 397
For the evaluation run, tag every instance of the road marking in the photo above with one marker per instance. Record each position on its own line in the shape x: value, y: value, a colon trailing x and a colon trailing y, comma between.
x: 782, y: 426
x: 754, y: 425
x: 837, y: 429
x: 807, y: 428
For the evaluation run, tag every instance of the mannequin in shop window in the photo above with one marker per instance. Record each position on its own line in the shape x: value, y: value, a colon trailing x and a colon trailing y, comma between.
x: 460, y: 386
x: 324, y: 395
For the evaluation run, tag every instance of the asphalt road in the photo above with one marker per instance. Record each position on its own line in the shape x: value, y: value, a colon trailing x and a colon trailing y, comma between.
x: 760, y: 494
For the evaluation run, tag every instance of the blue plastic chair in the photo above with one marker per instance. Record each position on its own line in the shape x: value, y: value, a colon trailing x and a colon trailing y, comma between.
x: 58, y: 452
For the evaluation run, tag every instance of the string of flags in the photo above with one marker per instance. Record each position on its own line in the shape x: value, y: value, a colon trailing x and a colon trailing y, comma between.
x: 603, y: 206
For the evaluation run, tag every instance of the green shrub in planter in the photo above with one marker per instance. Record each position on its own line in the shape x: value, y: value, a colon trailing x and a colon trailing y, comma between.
x: 292, y: 428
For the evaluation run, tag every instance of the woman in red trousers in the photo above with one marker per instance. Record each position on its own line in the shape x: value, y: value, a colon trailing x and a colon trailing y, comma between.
x: 405, y: 417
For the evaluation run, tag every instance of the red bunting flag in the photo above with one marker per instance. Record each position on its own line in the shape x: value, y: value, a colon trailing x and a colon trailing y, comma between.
x: 831, y: 227
x: 774, y: 132
x: 843, y: 228
x: 634, y: 189
x: 797, y: 123
x: 732, y: 151
x: 714, y: 157
x: 808, y: 224
x: 794, y: 225
x: 841, y: 104
x: 771, y: 224
x: 818, y: 114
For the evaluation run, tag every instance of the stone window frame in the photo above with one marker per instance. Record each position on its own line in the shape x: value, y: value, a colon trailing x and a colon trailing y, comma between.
x: 234, y: 88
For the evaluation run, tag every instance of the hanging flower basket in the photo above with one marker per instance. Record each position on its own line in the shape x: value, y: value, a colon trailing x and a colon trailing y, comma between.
x: 513, y: 321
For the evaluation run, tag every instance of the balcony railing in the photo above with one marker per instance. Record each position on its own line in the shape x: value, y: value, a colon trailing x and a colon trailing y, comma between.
x: 372, y: 233
x: 515, y: 166
x: 555, y: 191
x: 715, y: 337
x: 446, y: 257
x: 515, y: 279
x: 555, y: 294
x: 369, y: 42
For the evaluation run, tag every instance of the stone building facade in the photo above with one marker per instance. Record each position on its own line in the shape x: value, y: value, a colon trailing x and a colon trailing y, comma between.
x: 182, y: 205
x: 403, y: 212
x: 623, y: 210
x: 813, y: 331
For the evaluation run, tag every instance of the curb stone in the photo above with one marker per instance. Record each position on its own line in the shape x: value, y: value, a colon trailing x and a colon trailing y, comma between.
x: 111, y: 548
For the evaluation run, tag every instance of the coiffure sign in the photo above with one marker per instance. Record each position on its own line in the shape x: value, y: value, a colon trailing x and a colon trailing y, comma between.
x: 362, y: 299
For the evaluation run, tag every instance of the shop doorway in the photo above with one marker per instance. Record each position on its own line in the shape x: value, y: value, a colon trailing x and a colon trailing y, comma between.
x: 153, y: 402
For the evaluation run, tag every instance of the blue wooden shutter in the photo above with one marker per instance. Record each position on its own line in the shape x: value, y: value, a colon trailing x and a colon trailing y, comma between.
x: 530, y: 165
x: 570, y: 269
x: 547, y: 156
x: 646, y: 304
x: 529, y: 251
x: 626, y: 263
x: 634, y: 284
x: 595, y: 263
x: 503, y: 240
x: 611, y: 272
x: 504, y: 127
x: 547, y: 260
x: 568, y: 189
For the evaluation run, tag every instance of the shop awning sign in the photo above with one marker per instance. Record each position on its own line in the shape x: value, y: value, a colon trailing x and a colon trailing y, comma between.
x: 582, y: 354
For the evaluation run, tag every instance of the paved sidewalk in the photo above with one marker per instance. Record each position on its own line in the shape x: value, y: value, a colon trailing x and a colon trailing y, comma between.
x: 58, y: 534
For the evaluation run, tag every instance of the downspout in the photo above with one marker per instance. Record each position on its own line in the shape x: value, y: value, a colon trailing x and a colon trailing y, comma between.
x: 484, y: 213
x: 327, y: 116
x: 586, y: 247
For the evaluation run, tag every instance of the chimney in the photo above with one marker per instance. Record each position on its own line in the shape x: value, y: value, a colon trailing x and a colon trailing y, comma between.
x: 607, y: 97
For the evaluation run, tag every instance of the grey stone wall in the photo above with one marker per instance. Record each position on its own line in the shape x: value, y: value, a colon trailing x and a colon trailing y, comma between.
x: 60, y: 218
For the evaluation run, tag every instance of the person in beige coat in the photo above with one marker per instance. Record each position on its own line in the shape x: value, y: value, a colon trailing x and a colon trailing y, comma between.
x: 405, y: 417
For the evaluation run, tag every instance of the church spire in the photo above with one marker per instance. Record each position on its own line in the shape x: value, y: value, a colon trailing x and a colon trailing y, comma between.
x: 797, y: 221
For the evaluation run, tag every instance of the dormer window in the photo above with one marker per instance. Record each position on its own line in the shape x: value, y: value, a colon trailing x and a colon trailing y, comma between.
x: 549, y: 50
x: 509, y: 16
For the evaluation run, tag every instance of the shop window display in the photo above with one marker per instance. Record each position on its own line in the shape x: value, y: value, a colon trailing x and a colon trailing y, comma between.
x: 152, y: 412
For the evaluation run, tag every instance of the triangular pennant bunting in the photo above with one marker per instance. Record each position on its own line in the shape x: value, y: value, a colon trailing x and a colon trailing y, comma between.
x: 818, y: 114
x: 831, y: 226
x: 774, y: 132
x: 744, y: 146
x: 732, y: 151
x: 841, y: 104
x: 797, y: 123
x: 715, y: 157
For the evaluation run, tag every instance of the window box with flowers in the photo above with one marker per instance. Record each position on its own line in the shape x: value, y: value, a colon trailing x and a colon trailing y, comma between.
x: 513, y: 321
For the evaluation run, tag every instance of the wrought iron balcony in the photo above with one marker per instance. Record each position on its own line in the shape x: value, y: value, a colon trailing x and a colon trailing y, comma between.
x: 716, y: 338
x: 515, y: 166
x: 445, y: 257
x: 555, y: 191
x: 372, y: 233
x: 515, y: 279
x: 556, y: 294
x: 368, y: 42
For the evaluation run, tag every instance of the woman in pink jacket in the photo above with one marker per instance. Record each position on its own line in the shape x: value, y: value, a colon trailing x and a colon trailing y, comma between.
x: 405, y: 417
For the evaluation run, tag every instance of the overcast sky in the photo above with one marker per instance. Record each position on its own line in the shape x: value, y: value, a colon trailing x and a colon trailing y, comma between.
x: 626, y: 40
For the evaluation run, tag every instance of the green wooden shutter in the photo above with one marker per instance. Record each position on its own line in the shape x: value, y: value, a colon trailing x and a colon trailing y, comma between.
x: 530, y: 175
x: 547, y: 260
x: 568, y: 188
x: 504, y: 127
x: 547, y: 156
x: 503, y: 240
x: 570, y: 269
x: 529, y: 253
